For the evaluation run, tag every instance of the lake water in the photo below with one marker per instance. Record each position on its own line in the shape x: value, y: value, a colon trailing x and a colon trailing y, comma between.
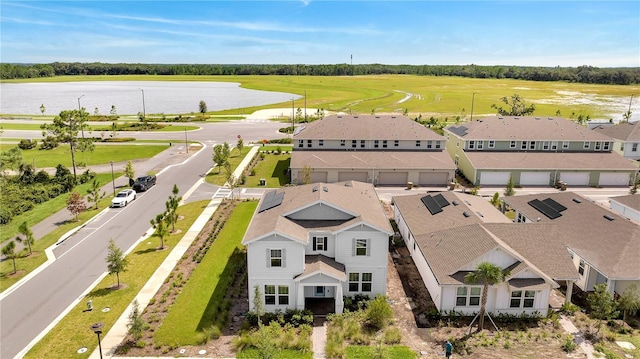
x: 159, y: 97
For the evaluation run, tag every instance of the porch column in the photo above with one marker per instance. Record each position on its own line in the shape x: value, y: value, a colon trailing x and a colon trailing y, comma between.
x: 567, y: 297
x: 339, y: 300
x: 300, y: 297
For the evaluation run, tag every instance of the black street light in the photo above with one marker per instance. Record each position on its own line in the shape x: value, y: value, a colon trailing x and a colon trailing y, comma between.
x: 97, y: 328
x: 113, y: 180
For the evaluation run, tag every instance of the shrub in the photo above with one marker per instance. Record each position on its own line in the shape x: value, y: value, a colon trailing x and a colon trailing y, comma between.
x: 49, y: 143
x: 569, y: 308
x: 569, y: 344
x: 27, y: 144
x: 392, y: 335
x: 379, y: 313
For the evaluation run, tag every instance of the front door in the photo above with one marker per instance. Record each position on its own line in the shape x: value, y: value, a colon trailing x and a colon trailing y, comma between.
x: 319, y: 292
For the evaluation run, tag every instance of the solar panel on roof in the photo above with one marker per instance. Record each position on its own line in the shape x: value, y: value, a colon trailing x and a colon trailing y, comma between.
x: 553, y: 204
x: 431, y: 204
x: 544, y: 209
x: 440, y: 200
x: 271, y: 199
x: 461, y: 130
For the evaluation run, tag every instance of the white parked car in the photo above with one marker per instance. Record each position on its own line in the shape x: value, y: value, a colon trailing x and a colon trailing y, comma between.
x: 123, y: 198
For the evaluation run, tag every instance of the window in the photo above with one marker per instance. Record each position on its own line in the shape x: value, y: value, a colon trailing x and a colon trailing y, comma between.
x: 581, y: 267
x: 554, y: 145
x: 438, y: 144
x: 418, y: 143
x: 532, y: 145
x: 384, y: 143
x: 523, y: 145
x: 300, y: 143
x: 456, y: 160
x: 361, y: 143
x: 565, y: 145
x: 458, y: 143
x: 480, y: 145
x: 320, y: 143
x: 471, y: 145
x: 360, y: 282
x: 512, y: 144
x: 269, y: 294
x: 343, y: 143
x: 429, y: 144
x: 354, y: 143
x: 518, y: 301
x: 361, y: 248
x: 605, y: 146
x: 283, y: 295
x: 319, y: 243
x: 396, y: 143
x: 309, y: 143
x: 622, y: 146
x: 275, y: 258
x: 492, y: 144
x: 468, y: 296
x: 545, y: 145
x: 634, y: 147
x: 375, y: 143
x: 598, y: 146
x: 586, y: 145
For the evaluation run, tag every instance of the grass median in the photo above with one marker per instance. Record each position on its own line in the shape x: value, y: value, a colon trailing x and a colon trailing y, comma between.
x: 198, y: 303
x: 218, y: 175
x: 73, y: 332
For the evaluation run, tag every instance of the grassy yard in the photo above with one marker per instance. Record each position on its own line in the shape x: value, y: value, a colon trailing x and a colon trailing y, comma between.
x: 272, y: 168
x: 73, y: 332
x: 218, y: 176
x: 439, y: 95
x: 196, y: 307
x: 390, y: 352
x: 101, y: 155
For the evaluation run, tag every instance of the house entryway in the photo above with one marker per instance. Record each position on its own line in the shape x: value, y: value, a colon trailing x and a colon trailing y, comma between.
x: 320, y: 306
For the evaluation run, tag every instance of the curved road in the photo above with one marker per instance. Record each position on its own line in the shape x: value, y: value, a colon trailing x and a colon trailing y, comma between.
x: 29, y: 309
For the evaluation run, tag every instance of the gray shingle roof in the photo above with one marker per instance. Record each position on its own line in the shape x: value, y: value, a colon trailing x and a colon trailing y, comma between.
x: 319, y: 263
x: 612, y: 247
x: 549, y: 160
x: 527, y: 128
x: 367, y: 127
x: 622, y: 131
x: 359, y: 198
x: 319, y: 160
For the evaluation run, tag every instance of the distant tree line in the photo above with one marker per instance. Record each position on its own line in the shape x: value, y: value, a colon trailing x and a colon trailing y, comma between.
x: 581, y: 74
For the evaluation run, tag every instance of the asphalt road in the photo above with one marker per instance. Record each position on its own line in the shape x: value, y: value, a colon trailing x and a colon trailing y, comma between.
x: 29, y: 309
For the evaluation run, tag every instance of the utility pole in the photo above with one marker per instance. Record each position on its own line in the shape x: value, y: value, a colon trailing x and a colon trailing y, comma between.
x: 305, y: 105
x: 186, y: 142
x: 473, y: 98
x: 293, y: 114
x: 144, y: 110
x: 80, y: 110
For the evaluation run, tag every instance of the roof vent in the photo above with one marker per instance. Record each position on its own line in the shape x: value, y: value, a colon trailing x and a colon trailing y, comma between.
x: 500, y: 117
x: 466, y: 214
x: 355, y: 116
x: 608, y: 217
x: 480, y: 214
x: 550, y: 118
x: 467, y: 202
x: 516, y: 118
x: 393, y: 116
x: 537, y: 118
x: 347, y: 184
x: 455, y: 203
x: 577, y: 200
x: 315, y: 189
x: 325, y: 188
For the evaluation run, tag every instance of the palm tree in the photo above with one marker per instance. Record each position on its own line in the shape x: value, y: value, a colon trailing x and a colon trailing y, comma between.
x: 487, y: 274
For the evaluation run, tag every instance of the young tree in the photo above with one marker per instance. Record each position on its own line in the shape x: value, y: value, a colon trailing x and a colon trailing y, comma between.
x: 113, y: 112
x: 96, y: 112
x: 161, y: 228
x: 172, y: 208
x: 27, y: 236
x: 508, y: 190
x: 130, y: 173
x: 221, y: 155
x: 9, y: 251
x: 258, y: 304
x: 116, y: 261
x: 240, y: 144
x: 516, y: 106
x: 629, y: 301
x: 136, y: 324
x: 305, y: 174
x: 495, y: 200
x: 602, y: 304
x: 94, y: 193
x: 75, y: 204
x: 202, y: 107
x: 64, y: 128
x: 486, y: 274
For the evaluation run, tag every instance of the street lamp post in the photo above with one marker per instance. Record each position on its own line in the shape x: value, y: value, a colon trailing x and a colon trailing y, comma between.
x: 293, y: 113
x: 473, y: 99
x: 186, y: 141
x: 113, y: 180
x: 79, y: 110
x: 97, y: 328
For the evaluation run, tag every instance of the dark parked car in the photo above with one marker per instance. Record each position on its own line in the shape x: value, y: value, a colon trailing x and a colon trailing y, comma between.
x: 144, y: 183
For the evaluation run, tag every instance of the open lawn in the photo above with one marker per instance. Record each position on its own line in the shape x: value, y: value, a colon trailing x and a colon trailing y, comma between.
x: 102, y: 154
x: 218, y: 175
x: 73, y: 332
x: 272, y: 168
x: 427, y: 95
x: 201, y: 298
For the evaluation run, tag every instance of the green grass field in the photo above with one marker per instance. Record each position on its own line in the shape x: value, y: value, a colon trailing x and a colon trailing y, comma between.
x: 391, y: 352
x: 272, y: 168
x: 36, y: 127
x: 218, y: 175
x: 438, y: 96
x: 195, y: 307
x: 102, y: 154
x: 73, y: 332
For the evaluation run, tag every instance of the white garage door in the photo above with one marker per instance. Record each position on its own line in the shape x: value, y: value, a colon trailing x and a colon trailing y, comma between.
x: 433, y: 178
x: 315, y: 177
x: 352, y: 176
x: 614, y: 179
x: 494, y: 178
x: 535, y: 178
x: 575, y: 178
x: 393, y: 178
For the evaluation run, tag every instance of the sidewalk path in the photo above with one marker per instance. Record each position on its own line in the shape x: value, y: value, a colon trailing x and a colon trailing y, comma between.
x: 585, y: 345
x: 319, y: 340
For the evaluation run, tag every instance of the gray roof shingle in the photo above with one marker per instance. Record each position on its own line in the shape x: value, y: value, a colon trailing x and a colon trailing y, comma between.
x: 621, y: 131
x: 319, y: 160
x: 549, y: 160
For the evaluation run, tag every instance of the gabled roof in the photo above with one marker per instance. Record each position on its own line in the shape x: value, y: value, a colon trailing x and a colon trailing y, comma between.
x: 549, y: 160
x: 531, y: 128
x: 632, y: 201
x: 366, y: 160
x: 315, y: 264
x: 355, y: 198
x: 622, y: 131
x: 611, y: 245
x: 366, y: 127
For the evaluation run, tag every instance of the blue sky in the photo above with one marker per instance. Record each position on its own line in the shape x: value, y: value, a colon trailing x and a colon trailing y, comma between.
x: 538, y: 33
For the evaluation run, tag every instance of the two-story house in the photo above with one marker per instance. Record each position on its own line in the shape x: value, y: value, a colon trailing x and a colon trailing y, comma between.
x: 626, y: 137
x: 384, y: 150
x: 535, y: 151
x: 317, y: 241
